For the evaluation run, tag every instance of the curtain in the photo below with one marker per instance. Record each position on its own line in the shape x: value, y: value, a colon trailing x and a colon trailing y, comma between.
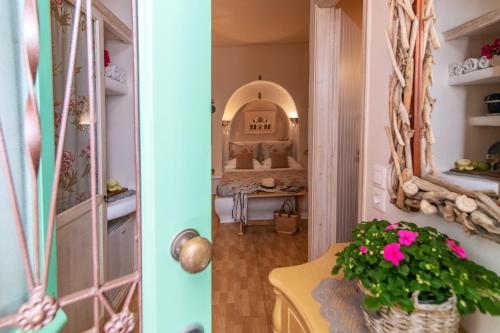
x: 74, y: 183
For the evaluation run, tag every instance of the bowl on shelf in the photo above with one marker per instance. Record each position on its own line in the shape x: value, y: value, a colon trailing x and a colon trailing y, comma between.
x: 493, y: 103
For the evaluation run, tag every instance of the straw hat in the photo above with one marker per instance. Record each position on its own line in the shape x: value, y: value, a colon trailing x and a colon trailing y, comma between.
x: 268, y: 183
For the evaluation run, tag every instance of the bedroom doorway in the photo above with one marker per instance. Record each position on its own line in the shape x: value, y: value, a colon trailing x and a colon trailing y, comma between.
x: 256, y: 55
x: 260, y: 73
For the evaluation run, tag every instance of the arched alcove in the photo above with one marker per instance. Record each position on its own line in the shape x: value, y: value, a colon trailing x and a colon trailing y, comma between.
x: 282, y: 124
x: 264, y: 90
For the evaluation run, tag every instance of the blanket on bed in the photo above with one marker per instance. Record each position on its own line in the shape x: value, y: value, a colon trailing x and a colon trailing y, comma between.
x: 232, y: 181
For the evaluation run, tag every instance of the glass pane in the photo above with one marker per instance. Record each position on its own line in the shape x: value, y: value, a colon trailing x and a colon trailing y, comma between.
x: 13, y: 290
x: 74, y: 183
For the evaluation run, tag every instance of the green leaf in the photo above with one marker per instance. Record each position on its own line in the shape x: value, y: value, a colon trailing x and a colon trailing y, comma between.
x: 490, y: 306
x: 372, y: 303
x: 404, y: 270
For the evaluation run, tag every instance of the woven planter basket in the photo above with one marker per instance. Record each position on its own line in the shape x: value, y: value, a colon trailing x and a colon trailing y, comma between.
x: 426, y: 318
x: 495, y: 61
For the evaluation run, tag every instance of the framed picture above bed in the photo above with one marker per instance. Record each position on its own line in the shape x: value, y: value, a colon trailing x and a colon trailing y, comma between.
x: 260, y: 122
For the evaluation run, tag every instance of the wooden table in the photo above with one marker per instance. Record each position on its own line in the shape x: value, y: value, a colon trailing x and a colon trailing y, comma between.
x: 295, y: 310
x: 277, y: 194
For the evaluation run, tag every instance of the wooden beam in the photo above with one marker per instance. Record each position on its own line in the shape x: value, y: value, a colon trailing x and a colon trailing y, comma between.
x: 326, y: 3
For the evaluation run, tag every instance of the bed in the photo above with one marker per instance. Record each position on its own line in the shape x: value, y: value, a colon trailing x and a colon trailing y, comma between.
x: 262, y: 205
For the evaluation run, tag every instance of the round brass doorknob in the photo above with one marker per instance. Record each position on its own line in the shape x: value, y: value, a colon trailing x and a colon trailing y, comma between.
x: 192, y: 251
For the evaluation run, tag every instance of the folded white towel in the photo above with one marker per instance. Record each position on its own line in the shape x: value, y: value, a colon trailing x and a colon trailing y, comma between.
x: 116, y: 73
x: 470, y: 65
x: 484, y: 62
x: 455, y: 69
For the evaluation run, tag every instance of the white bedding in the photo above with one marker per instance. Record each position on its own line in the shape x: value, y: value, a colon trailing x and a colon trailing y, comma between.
x: 257, y: 166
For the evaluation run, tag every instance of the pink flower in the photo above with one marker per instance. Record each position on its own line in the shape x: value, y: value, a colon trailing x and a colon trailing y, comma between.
x: 459, y: 251
x: 393, y: 253
x: 392, y: 226
x: 487, y: 51
x: 407, y: 237
x: 67, y: 162
x: 363, y: 249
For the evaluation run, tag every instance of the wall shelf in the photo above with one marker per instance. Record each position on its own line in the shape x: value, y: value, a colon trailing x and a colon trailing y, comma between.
x: 483, y: 76
x: 114, y: 28
x: 484, y: 25
x: 489, y: 120
x: 115, y: 88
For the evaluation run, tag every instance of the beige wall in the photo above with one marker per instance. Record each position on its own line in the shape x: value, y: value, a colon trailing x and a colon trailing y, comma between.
x: 232, y: 67
x: 238, y: 123
x: 376, y: 150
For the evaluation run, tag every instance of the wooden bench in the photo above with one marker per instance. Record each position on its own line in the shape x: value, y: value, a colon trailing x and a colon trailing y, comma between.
x: 277, y: 194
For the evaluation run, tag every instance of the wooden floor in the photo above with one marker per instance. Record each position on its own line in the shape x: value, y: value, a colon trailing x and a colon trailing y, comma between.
x: 242, y: 298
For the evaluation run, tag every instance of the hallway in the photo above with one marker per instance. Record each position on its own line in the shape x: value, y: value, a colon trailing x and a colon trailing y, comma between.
x: 243, y: 299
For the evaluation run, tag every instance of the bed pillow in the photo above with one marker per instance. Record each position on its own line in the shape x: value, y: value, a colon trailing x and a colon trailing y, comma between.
x: 275, y: 147
x: 231, y: 164
x: 292, y: 164
x: 236, y: 148
x: 244, y: 161
x: 279, y: 160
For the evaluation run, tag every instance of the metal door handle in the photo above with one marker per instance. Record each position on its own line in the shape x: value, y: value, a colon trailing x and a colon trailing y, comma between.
x: 192, y: 251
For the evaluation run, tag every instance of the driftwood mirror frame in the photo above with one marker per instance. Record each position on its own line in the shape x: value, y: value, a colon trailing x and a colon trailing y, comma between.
x: 413, y: 184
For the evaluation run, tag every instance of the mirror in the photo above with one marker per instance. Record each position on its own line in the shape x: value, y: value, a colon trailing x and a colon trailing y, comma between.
x: 444, y: 164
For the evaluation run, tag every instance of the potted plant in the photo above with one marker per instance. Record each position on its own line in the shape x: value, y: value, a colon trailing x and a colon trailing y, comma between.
x: 492, y: 52
x: 415, y: 278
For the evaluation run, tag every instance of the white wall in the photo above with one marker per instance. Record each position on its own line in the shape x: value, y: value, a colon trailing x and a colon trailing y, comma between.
x: 120, y: 121
x: 232, y: 67
x: 122, y: 9
x: 376, y: 149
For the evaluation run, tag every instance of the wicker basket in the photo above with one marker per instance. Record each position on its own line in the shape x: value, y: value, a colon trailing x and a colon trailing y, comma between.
x: 426, y: 318
x: 285, y: 220
x: 495, y: 61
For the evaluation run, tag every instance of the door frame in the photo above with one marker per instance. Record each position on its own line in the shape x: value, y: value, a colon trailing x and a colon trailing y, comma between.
x: 322, y: 144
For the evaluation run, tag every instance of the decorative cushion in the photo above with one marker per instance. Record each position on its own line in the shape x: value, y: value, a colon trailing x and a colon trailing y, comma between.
x: 275, y: 147
x: 236, y: 148
x: 279, y: 160
x: 244, y: 161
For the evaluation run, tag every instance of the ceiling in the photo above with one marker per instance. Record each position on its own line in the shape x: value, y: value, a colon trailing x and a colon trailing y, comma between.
x: 244, y: 22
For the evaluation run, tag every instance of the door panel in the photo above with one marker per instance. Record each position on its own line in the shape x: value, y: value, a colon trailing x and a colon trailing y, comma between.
x: 175, y: 121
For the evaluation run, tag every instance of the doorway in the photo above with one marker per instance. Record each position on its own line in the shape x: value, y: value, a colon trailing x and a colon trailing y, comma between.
x: 327, y: 127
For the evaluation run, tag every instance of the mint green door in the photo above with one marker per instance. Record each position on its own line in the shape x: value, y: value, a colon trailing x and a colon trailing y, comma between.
x: 174, y: 94
x: 175, y: 121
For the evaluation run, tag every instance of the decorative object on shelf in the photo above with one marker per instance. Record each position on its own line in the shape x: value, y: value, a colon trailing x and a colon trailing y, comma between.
x: 468, y: 66
x: 413, y: 182
x: 493, y: 103
x: 492, y: 52
x: 116, y: 73
x: 113, y: 185
x: 107, y: 58
x: 415, y: 279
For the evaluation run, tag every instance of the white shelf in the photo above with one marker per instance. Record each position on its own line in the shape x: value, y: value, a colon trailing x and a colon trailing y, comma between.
x: 121, y: 207
x: 483, y: 76
x: 115, y: 88
x: 484, y: 25
x: 489, y: 120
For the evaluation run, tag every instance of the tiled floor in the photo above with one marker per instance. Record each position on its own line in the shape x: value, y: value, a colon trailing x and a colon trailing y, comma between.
x: 242, y: 298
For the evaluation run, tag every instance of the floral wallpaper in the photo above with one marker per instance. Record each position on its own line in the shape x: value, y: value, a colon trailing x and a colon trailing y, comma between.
x: 74, y: 182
